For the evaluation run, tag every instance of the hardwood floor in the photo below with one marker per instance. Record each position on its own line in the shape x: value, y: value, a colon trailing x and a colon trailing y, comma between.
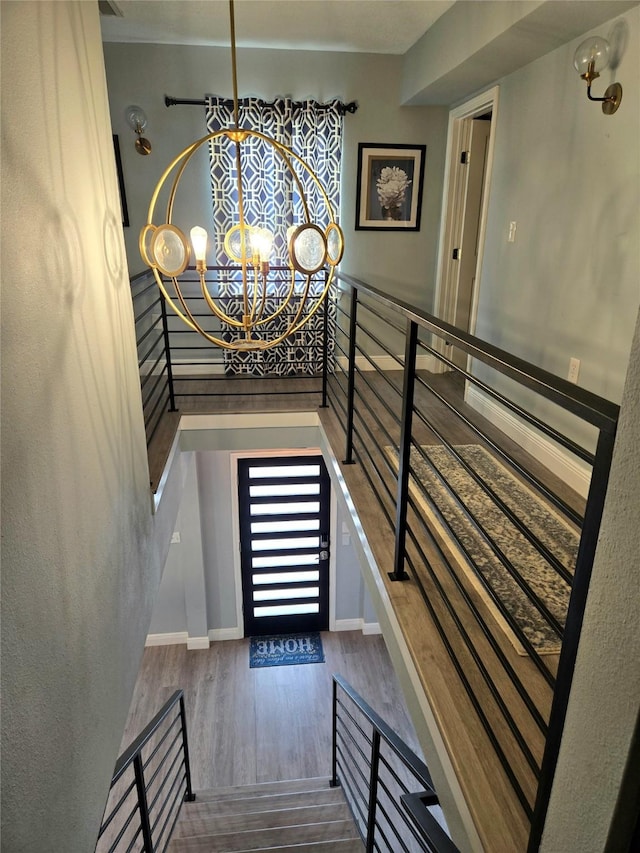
x: 248, y: 726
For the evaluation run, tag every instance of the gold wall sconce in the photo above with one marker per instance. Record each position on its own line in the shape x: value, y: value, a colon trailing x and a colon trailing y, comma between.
x: 137, y: 120
x: 592, y: 57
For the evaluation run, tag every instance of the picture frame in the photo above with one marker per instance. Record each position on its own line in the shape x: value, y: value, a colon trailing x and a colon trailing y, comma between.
x: 389, y: 200
x: 124, y: 210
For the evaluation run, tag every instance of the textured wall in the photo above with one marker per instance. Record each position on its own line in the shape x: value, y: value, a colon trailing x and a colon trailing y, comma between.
x: 605, y: 698
x: 77, y: 576
x: 570, y: 177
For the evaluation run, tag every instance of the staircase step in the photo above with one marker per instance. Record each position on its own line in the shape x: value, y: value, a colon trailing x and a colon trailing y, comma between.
x: 292, y: 837
x: 288, y: 786
x: 264, y: 819
x: 260, y: 803
x: 346, y: 845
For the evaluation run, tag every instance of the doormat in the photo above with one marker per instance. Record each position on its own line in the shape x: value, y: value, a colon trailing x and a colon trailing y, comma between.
x: 285, y: 650
x: 458, y: 535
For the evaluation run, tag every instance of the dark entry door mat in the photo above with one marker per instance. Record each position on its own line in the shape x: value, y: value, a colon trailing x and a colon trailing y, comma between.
x: 285, y: 650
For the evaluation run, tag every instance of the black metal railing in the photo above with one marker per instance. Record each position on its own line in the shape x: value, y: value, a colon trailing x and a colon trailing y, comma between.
x: 150, y: 781
x: 181, y: 370
x: 154, y: 352
x: 450, y: 484
x: 387, y: 786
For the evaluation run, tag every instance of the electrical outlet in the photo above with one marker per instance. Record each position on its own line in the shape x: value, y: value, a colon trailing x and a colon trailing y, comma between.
x: 574, y: 370
x: 175, y: 538
x: 512, y: 232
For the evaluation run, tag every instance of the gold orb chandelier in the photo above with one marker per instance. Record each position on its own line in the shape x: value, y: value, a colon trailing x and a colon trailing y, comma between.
x: 166, y: 250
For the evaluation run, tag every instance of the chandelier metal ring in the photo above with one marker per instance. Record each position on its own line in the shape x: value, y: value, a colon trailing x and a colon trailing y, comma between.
x: 165, y: 249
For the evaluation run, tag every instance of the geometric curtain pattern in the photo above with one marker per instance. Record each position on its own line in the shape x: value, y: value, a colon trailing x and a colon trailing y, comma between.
x: 272, y: 200
x: 271, y: 197
x: 300, y: 353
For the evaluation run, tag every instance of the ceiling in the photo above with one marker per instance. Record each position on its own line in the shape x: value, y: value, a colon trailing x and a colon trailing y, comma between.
x: 359, y: 26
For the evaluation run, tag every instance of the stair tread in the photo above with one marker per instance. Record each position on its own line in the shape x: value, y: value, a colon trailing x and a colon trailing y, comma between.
x: 290, y: 786
x: 265, y: 819
x: 245, y: 804
x: 344, y: 845
x: 257, y: 839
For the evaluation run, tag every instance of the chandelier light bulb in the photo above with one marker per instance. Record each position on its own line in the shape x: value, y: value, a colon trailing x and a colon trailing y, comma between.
x: 262, y: 244
x: 199, y: 242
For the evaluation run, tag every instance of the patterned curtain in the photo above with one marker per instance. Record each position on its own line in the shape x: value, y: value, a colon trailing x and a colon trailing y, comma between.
x: 271, y: 199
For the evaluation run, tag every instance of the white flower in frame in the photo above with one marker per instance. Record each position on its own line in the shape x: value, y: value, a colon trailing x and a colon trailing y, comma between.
x: 392, y: 186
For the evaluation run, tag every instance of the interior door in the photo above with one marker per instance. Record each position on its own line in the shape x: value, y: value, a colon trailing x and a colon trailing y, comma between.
x: 468, y: 252
x: 284, y: 542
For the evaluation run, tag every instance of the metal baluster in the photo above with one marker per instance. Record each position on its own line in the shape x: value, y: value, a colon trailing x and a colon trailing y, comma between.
x: 352, y: 375
x: 325, y: 346
x: 167, y: 351
x: 334, y: 746
x: 404, y: 451
x: 573, y: 627
x: 143, y: 806
x: 189, y: 796
x: 373, y: 791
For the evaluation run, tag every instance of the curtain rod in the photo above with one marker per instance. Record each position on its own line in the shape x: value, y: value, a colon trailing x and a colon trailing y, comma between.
x: 172, y: 102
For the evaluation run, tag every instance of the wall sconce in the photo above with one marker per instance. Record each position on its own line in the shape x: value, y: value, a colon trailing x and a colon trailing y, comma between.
x: 137, y: 119
x: 590, y: 58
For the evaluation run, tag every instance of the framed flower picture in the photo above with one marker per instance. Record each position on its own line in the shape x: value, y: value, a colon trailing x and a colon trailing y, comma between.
x: 390, y: 181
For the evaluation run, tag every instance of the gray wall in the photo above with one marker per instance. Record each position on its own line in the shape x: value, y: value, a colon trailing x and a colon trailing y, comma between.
x: 81, y: 553
x: 142, y: 74
x: 570, y: 177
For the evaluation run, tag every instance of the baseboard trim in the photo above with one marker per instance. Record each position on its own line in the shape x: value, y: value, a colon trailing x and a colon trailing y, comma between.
x: 173, y: 639
x: 348, y: 624
x: 217, y: 634
x: 198, y: 643
x: 553, y: 457
x: 357, y: 625
x: 388, y: 362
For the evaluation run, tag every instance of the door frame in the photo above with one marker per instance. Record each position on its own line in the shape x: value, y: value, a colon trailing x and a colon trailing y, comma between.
x: 453, y: 213
x: 235, y: 527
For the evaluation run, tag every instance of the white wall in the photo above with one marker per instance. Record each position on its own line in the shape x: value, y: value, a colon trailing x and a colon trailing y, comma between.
x: 570, y: 177
x: 143, y: 74
x: 81, y: 554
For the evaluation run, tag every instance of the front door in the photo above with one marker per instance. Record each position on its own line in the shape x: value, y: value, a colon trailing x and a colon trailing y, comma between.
x: 284, y: 543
